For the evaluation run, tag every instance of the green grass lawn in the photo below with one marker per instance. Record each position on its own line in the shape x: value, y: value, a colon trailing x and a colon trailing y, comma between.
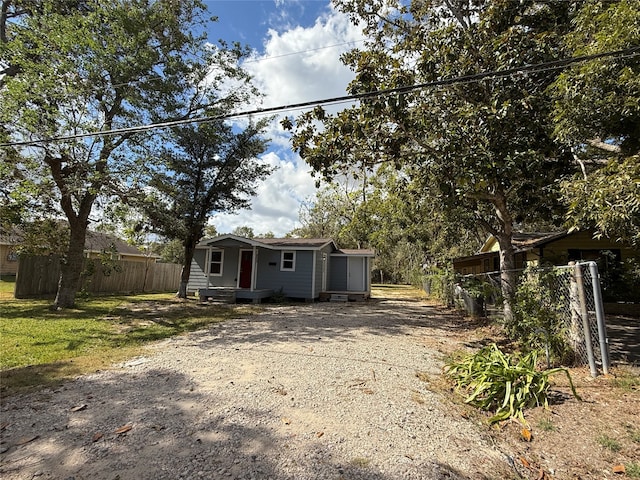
x: 39, y: 346
x: 7, y: 283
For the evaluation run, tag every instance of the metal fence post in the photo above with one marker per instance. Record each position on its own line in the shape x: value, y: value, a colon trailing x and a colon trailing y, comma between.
x: 602, y: 327
x: 584, y: 313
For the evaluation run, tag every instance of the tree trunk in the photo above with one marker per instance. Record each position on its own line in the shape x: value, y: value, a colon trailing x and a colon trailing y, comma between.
x: 507, y: 256
x: 71, y: 267
x: 507, y: 275
x: 189, y: 249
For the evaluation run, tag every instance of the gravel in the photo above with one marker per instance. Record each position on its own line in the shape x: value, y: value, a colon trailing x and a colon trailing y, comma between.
x: 307, y: 391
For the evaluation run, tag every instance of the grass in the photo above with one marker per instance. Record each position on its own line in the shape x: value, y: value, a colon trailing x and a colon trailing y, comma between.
x: 41, y: 347
x: 546, y: 425
x: 609, y: 443
x: 7, y: 284
x: 627, y: 379
x: 633, y: 470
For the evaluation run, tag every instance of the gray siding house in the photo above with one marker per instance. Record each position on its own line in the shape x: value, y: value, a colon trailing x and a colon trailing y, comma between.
x: 294, y: 267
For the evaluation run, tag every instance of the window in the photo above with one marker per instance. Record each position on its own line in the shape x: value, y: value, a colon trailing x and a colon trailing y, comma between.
x: 288, y: 261
x: 215, y: 264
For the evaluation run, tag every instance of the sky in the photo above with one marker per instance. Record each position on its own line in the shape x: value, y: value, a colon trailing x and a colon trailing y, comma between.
x: 297, y: 45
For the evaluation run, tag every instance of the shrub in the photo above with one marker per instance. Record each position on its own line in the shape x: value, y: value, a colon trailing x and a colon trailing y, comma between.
x: 537, y: 324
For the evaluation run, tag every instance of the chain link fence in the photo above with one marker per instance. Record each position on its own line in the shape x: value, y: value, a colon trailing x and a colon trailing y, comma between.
x: 559, y: 305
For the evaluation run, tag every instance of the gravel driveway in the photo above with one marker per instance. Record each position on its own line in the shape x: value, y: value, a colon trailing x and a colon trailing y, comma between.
x: 308, y: 391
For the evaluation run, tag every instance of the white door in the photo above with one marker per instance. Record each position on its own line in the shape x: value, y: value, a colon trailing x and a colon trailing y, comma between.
x: 355, y: 274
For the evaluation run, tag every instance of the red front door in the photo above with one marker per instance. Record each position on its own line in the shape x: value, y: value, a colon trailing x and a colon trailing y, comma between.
x: 246, y: 264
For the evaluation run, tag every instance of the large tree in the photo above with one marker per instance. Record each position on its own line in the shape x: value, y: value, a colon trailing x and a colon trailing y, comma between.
x: 482, y: 145
x: 205, y: 168
x: 597, y: 113
x: 82, y: 67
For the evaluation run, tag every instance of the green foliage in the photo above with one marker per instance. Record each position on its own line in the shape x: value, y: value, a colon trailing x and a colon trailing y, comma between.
x: 503, y: 384
x: 244, y: 231
x: 438, y: 283
x: 482, y: 148
x: 537, y: 324
x: 608, y: 200
x: 100, y: 66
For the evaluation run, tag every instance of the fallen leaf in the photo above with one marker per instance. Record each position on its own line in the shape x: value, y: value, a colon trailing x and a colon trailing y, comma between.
x: 123, y: 429
x: 286, y: 421
x: 319, y: 434
x: 25, y: 440
x: 79, y: 407
x: 524, y: 462
x: 619, y: 469
x: 97, y: 436
x: 526, y: 434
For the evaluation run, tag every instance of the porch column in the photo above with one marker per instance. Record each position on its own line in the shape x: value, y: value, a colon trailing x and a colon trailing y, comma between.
x: 254, y: 267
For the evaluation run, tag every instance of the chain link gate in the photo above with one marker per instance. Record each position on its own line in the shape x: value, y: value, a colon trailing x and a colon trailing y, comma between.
x: 574, y: 296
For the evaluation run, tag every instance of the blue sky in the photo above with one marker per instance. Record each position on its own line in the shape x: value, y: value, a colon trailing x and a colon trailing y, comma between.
x: 297, y: 45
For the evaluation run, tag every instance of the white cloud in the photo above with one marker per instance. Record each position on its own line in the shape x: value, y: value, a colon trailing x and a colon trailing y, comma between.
x: 276, y: 205
x: 298, y: 65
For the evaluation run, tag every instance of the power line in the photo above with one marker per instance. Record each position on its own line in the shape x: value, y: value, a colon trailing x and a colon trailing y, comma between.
x: 464, y: 79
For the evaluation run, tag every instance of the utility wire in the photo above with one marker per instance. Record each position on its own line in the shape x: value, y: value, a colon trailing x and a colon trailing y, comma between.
x: 534, y: 68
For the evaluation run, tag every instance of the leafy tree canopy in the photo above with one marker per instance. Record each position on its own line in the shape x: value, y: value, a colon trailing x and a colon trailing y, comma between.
x: 80, y: 67
x: 487, y: 146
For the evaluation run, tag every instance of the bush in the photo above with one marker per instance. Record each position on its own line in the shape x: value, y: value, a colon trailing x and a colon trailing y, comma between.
x: 537, y: 324
x: 503, y: 384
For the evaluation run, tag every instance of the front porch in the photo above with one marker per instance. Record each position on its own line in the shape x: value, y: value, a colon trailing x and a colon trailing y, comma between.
x: 231, y: 295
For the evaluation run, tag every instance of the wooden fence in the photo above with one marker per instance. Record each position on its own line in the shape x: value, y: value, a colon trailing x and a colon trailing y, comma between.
x: 38, y: 276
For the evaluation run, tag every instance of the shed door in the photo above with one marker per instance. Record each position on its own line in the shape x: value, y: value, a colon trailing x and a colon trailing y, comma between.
x: 246, y: 265
x: 355, y: 274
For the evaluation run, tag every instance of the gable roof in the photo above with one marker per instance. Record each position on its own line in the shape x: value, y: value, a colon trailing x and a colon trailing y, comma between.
x: 287, y: 244
x: 524, y: 241
x: 272, y: 243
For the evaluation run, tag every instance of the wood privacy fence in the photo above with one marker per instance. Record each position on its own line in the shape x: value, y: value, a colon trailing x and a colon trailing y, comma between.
x: 39, y: 275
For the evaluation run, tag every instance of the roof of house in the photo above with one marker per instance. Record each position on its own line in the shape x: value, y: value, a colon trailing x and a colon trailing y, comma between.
x: 363, y: 252
x: 287, y: 243
x: 99, y: 242
x: 525, y: 241
x: 95, y: 242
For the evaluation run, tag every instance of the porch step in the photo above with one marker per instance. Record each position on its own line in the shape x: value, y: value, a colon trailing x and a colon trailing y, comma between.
x: 338, y: 297
x: 221, y: 295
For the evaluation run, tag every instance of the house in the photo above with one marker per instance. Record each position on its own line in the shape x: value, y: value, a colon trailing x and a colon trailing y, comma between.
x: 259, y: 268
x: 9, y: 240
x: 556, y: 248
x: 96, y: 244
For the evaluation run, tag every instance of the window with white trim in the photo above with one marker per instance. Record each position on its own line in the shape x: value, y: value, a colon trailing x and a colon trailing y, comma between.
x: 288, y: 261
x: 215, y: 262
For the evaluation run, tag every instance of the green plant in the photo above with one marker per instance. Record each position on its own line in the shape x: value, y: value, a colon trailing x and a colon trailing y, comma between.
x: 626, y: 379
x: 537, y: 324
x: 609, y: 443
x: 502, y: 383
x: 633, y: 470
x: 546, y: 425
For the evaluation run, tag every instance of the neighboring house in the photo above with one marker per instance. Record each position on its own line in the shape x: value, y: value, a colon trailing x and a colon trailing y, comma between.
x: 557, y: 248
x: 8, y: 252
x: 293, y: 267
x: 96, y: 244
